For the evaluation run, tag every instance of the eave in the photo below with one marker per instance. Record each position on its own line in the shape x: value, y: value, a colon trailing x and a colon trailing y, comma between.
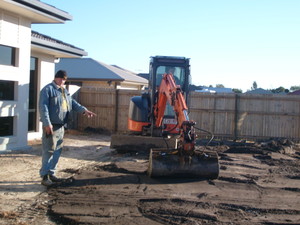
x: 36, y: 11
x: 54, y: 47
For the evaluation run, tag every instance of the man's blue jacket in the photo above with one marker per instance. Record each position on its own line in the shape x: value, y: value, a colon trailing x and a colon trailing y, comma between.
x: 50, y: 105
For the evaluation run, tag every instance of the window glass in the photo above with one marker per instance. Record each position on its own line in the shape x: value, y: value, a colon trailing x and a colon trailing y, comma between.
x: 7, y: 55
x: 33, y: 93
x: 6, y: 126
x: 7, y: 90
x: 178, y: 73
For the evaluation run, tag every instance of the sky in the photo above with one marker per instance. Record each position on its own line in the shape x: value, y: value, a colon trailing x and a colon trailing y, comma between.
x: 229, y: 42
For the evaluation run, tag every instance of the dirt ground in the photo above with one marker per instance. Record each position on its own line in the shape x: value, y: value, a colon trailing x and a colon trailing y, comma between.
x: 259, y: 183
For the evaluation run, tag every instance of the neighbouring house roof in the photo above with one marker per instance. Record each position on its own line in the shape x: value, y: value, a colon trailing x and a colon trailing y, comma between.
x: 215, y: 90
x: 144, y: 75
x: 90, y: 69
x: 54, y: 47
x: 294, y: 93
x: 259, y: 91
x: 37, y: 11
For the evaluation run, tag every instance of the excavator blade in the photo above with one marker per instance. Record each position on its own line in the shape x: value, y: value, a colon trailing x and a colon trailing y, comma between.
x: 138, y: 143
x: 167, y: 163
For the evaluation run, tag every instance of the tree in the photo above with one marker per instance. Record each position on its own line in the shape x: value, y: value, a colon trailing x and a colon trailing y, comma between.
x: 254, y: 86
x: 280, y: 90
x: 235, y: 90
x: 220, y: 86
x: 295, y: 88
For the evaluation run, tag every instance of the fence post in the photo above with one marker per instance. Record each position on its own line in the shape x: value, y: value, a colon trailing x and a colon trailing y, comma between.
x: 116, y: 110
x: 236, y: 113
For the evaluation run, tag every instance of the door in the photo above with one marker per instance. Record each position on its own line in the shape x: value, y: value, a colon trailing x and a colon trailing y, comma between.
x: 33, y: 93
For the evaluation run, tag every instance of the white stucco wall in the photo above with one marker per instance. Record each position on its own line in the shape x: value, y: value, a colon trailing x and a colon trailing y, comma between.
x: 15, y: 32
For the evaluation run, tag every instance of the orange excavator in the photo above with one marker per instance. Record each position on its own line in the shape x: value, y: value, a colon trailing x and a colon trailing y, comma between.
x: 162, y: 114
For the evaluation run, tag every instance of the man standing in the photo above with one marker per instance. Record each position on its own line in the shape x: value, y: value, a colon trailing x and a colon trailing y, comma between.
x: 55, y: 105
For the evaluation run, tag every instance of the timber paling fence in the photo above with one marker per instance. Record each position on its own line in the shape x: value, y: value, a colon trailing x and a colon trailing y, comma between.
x: 227, y: 116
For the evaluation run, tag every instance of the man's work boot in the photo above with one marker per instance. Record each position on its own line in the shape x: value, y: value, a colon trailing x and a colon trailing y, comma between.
x: 46, y: 181
x: 55, y: 179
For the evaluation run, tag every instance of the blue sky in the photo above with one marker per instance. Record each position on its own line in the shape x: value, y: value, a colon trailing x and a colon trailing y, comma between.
x: 229, y: 42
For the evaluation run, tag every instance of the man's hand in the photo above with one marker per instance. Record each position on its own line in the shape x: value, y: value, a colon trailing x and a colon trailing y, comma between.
x: 89, y: 113
x: 49, y: 130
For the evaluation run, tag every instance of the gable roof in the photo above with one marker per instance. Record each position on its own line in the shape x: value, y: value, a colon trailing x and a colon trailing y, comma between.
x: 294, y: 93
x: 215, y: 90
x: 90, y: 69
x: 259, y: 91
x: 144, y: 75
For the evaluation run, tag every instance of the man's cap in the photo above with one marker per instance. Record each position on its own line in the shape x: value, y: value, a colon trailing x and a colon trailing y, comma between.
x: 61, y: 74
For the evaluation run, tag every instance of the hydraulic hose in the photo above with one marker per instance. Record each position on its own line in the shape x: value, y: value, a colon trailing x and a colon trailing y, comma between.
x: 206, y: 131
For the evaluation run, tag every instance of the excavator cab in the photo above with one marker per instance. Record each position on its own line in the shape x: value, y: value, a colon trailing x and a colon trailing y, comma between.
x: 141, y: 116
x: 177, y: 66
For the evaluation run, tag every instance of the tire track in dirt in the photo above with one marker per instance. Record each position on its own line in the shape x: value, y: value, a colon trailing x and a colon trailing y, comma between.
x: 252, y: 189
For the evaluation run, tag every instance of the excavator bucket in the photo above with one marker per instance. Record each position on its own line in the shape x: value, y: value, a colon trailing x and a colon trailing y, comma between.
x: 167, y: 163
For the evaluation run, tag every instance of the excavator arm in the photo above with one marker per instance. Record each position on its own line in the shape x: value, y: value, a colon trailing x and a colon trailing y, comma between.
x: 168, y: 91
x: 184, y: 160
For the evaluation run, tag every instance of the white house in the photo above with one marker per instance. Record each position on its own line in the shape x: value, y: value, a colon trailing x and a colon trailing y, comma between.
x: 26, y: 65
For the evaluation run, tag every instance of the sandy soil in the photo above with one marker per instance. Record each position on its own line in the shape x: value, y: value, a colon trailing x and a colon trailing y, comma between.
x: 258, y: 184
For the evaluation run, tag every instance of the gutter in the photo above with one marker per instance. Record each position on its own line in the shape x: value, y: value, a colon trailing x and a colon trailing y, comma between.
x: 47, y: 42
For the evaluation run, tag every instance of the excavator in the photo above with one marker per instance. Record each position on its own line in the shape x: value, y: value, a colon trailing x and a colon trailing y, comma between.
x: 158, y: 121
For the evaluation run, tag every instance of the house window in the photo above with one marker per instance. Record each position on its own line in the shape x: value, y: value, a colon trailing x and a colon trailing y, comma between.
x: 7, y: 90
x: 7, y: 55
x: 6, y: 126
x: 33, y: 93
